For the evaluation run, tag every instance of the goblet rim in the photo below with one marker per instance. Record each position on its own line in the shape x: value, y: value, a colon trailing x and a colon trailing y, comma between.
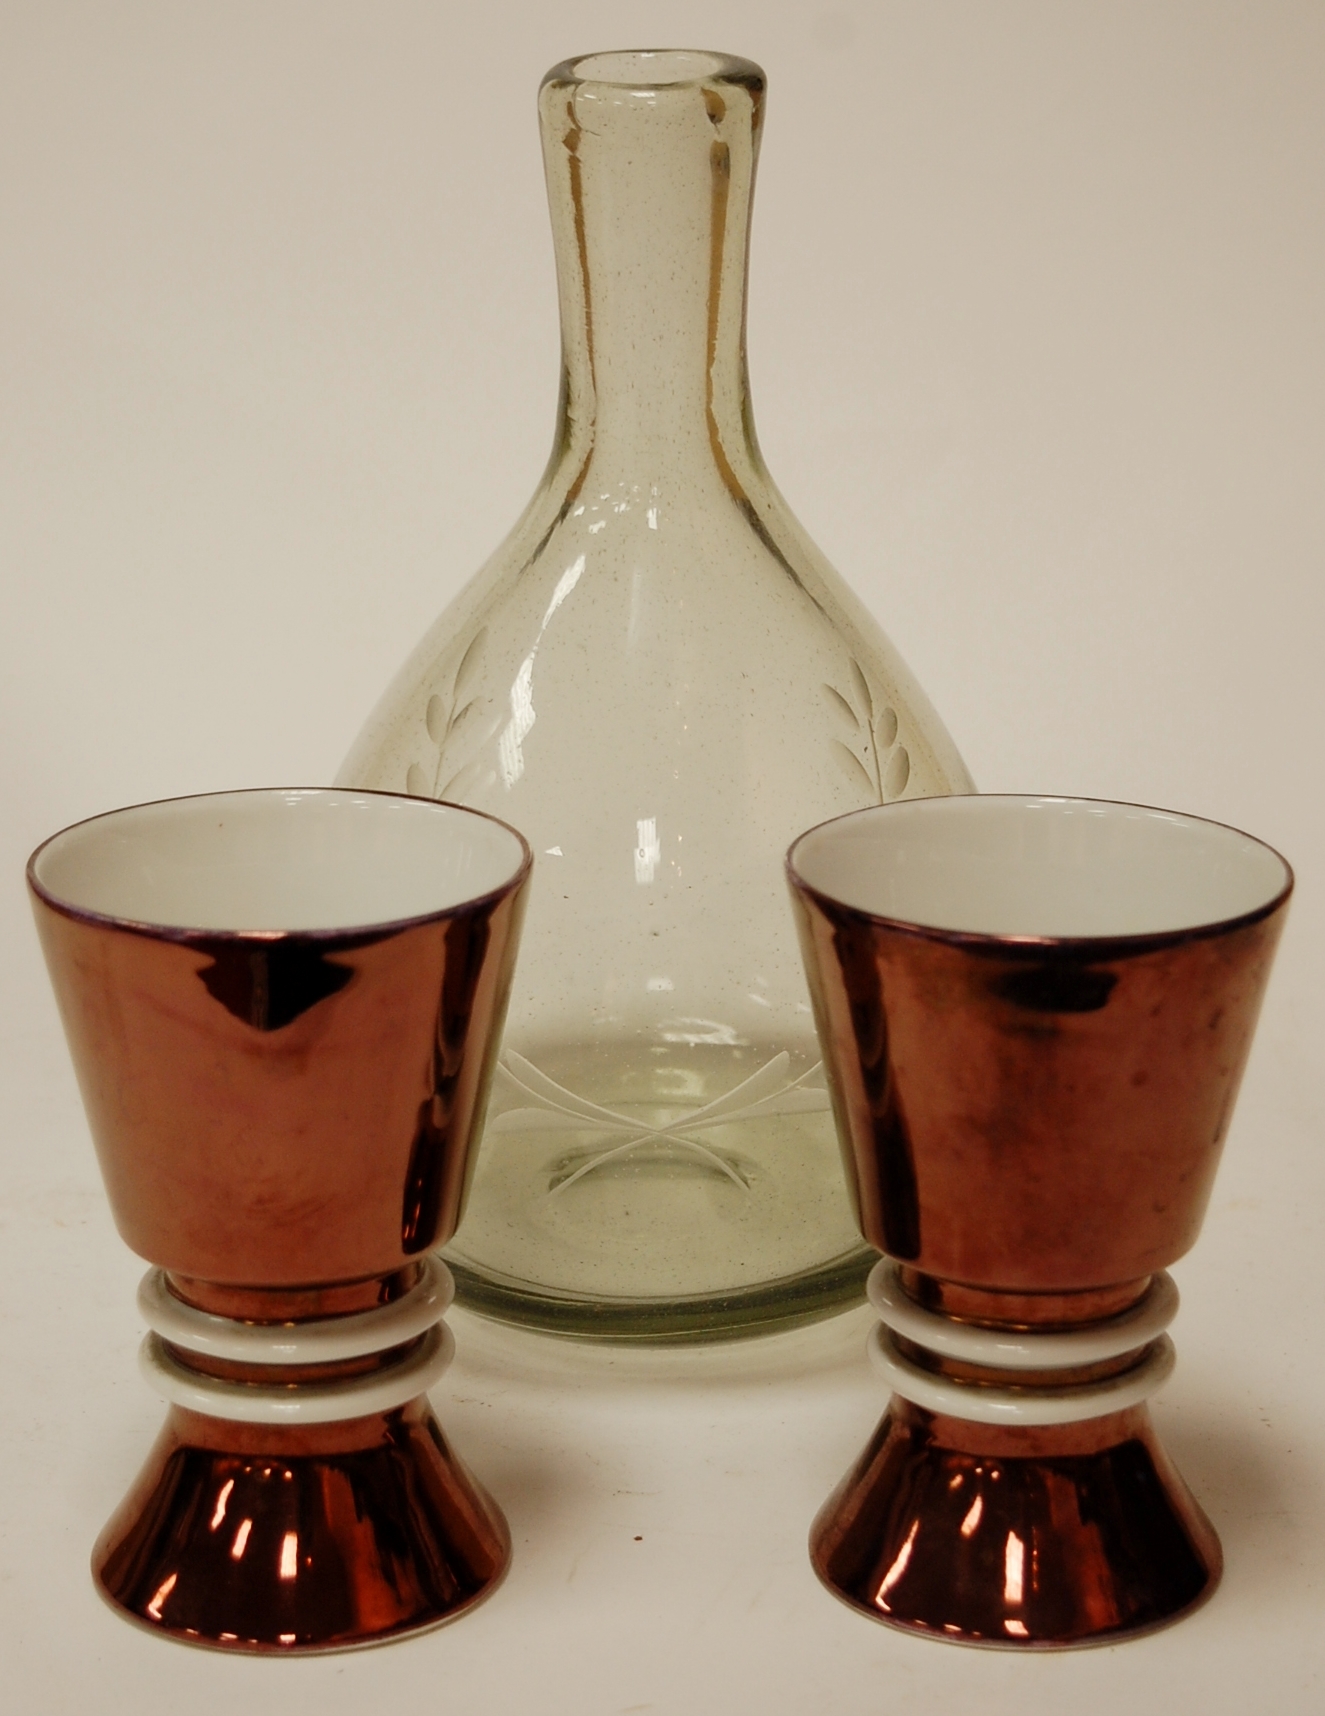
x: 344, y: 935
x: 1022, y: 945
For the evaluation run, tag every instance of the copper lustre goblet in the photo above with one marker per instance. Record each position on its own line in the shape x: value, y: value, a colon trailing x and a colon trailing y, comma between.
x: 1035, y: 1014
x: 283, y: 1008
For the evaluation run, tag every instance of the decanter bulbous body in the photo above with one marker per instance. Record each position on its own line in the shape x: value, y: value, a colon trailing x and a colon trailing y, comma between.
x: 660, y: 681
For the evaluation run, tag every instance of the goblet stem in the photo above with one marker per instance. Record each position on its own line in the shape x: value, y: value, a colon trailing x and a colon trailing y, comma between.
x: 1015, y: 1493
x: 301, y: 1496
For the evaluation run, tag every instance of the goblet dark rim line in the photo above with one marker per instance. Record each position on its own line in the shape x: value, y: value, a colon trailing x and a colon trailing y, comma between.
x: 1092, y: 948
x: 191, y: 935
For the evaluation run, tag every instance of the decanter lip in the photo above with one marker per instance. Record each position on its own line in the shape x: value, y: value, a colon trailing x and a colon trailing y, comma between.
x: 655, y: 69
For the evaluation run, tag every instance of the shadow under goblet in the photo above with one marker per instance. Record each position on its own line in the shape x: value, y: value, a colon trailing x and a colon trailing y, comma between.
x: 1035, y: 1014
x: 283, y: 1009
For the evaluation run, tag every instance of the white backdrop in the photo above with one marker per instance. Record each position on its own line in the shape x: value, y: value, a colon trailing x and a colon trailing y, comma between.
x: 1037, y: 355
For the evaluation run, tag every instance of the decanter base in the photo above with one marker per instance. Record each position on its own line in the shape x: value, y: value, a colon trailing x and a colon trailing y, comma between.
x: 283, y: 1539
x: 769, y: 1306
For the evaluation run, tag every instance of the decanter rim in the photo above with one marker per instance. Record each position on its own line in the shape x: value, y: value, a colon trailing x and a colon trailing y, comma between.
x: 654, y: 69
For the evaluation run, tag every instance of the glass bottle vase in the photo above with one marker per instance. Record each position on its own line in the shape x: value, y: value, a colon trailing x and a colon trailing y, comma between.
x: 660, y: 680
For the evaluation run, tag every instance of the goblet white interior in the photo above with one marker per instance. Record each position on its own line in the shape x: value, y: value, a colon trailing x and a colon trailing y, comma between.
x: 278, y: 859
x: 1041, y: 867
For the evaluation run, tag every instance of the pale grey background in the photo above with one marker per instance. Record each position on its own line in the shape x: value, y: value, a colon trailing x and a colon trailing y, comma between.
x: 1037, y: 352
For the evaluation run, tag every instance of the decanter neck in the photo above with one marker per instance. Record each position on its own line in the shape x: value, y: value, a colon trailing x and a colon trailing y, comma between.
x: 650, y: 162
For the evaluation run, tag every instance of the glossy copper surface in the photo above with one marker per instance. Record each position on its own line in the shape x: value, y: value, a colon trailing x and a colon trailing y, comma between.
x: 1046, y: 1311
x: 1066, y: 1535
x: 1042, y: 1117
x: 294, y: 1304
x: 285, y: 1123
x: 267, y: 1538
x: 286, y: 1110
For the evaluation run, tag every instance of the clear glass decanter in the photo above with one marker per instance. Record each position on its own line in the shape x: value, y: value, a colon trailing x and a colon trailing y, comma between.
x: 659, y: 680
